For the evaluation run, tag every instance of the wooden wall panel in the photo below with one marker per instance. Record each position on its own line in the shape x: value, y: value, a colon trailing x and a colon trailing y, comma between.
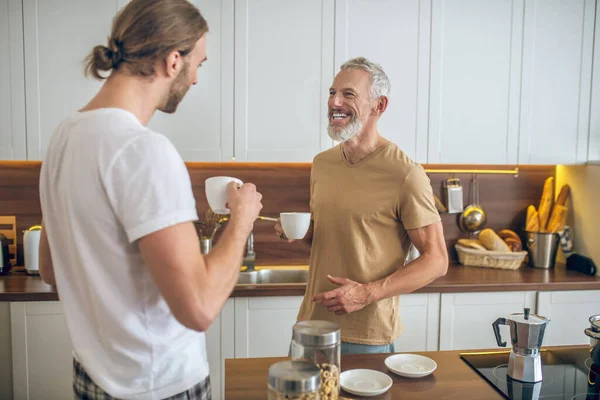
x: 285, y: 187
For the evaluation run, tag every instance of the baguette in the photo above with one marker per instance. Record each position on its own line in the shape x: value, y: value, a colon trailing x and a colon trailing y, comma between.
x: 533, y: 221
x: 471, y: 243
x: 546, y: 203
x: 559, y: 219
x: 563, y: 195
x: 492, y: 241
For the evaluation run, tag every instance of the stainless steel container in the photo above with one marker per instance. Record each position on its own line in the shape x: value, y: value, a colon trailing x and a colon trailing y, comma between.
x: 594, y: 330
x: 205, y: 245
x: 542, y: 248
x: 294, y: 379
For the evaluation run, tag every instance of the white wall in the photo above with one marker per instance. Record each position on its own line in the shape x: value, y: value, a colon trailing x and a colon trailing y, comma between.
x: 584, y: 208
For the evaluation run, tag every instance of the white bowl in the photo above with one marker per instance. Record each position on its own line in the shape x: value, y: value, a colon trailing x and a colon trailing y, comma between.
x: 365, y: 382
x: 410, y: 365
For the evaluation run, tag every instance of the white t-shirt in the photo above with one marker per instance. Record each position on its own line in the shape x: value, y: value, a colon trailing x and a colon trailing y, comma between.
x: 107, y: 181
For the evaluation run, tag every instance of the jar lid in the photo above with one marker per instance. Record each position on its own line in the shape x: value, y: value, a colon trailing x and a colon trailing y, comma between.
x: 293, y: 377
x: 316, y: 333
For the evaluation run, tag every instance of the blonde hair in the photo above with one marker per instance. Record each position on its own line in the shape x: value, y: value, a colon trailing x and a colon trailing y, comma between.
x: 145, y: 31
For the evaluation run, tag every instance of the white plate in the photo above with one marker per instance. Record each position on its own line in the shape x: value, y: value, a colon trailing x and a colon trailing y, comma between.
x: 365, y: 382
x: 410, y: 365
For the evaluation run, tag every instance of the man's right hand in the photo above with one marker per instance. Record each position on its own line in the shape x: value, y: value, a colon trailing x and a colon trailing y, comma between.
x: 280, y: 233
x: 244, y: 203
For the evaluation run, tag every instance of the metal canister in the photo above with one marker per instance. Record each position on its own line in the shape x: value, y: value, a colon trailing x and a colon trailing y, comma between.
x: 294, y: 380
x: 542, y: 248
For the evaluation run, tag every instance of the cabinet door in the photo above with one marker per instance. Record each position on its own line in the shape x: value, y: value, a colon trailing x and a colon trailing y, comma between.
x: 558, y: 42
x: 41, y: 350
x: 593, y: 154
x: 6, y: 384
x: 202, y: 127
x: 219, y: 346
x: 466, y: 318
x: 263, y: 325
x: 402, y: 49
x: 12, y: 82
x: 569, y: 314
x: 56, y: 86
x: 283, y: 69
x: 421, y: 318
x: 475, y: 81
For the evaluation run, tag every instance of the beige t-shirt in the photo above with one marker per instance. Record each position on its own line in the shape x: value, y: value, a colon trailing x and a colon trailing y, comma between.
x: 361, y: 213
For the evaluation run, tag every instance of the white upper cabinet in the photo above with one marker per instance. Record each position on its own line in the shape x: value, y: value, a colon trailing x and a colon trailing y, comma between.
x: 474, y: 88
x: 394, y: 34
x: 593, y: 154
x: 558, y: 43
x: 58, y: 37
x: 12, y: 82
x: 283, y: 69
x: 202, y: 127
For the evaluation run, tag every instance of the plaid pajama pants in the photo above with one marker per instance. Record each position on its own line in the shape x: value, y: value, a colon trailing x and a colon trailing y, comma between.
x: 85, y: 389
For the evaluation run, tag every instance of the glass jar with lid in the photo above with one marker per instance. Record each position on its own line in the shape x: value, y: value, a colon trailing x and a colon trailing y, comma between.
x: 319, y: 342
x: 294, y: 380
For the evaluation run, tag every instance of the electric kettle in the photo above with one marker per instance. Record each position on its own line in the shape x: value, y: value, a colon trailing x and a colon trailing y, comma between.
x: 31, y: 246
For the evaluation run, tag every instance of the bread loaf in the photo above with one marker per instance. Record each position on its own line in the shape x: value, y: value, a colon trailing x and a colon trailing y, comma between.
x: 471, y: 243
x: 511, y: 239
x: 546, y: 203
x: 559, y: 219
x: 491, y: 241
x: 533, y: 221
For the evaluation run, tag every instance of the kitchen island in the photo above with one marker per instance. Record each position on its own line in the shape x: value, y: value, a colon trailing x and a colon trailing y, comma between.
x: 453, y: 379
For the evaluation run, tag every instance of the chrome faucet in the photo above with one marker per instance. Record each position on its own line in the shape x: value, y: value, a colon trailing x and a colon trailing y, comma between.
x: 250, y: 257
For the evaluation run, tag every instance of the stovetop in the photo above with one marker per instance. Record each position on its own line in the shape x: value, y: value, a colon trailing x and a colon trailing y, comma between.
x: 566, y: 374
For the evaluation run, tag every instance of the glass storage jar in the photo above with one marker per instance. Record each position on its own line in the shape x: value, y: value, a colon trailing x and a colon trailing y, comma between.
x: 294, y: 380
x: 319, y: 342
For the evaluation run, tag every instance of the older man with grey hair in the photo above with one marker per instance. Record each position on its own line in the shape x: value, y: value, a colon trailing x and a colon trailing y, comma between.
x: 369, y: 201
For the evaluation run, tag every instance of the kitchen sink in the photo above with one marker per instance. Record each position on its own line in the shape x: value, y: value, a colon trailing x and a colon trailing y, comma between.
x: 273, y: 276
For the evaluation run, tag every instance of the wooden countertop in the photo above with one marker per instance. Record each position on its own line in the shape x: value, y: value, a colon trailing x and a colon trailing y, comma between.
x: 246, y: 378
x: 20, y: 287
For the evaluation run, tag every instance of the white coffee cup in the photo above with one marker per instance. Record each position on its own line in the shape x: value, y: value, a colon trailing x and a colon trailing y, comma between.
x: 216, y: 192
x: 295, y: 224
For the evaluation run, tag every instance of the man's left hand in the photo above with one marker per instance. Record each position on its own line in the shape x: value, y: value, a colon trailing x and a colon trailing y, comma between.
x: 349, y: 297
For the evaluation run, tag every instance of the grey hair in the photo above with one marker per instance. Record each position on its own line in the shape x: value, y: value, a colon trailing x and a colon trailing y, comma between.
x: 380, y: 83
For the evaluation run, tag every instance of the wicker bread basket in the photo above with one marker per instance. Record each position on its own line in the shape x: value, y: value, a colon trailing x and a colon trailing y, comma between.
x: 489, y: 259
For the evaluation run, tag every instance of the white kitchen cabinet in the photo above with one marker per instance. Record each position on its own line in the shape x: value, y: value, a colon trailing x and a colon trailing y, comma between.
x: 56, y: 86
x: 569, y: 313
x: 402, y: 49
x: 475, y: 81
x: 202, y: 127
x: 593, y: 154
x: 283, y: 69
x: 219, y: 346
x: 13, y: 144
x: 6, y: 384
x: 263, y: 325
x: 466, y: 318
x: 42, y: 358
x: 558, y: 40
x: 420, y: 314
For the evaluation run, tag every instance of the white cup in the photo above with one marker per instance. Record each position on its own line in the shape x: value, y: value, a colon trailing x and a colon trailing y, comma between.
x: 295, y: 224
x: 216, y: 192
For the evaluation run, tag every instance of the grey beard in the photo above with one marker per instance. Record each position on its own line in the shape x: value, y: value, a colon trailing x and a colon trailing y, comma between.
x: 341, y: 135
